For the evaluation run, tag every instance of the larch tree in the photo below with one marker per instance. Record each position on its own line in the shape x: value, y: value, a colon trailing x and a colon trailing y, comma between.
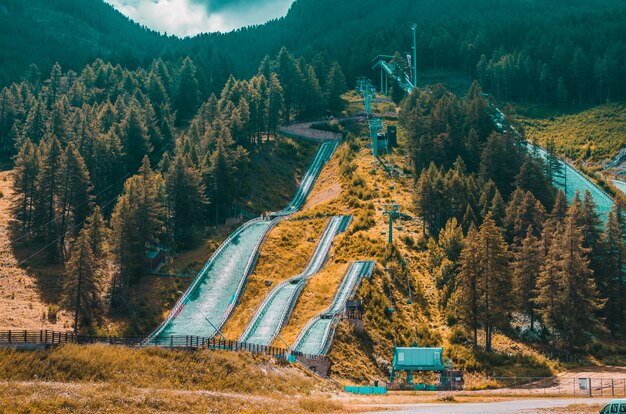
x: 611, y: 279
x: 495, y: 278
x: 275, y: 104
x: 527, y: 262
x: 48, y: 182
x: 185, y: 200
x: 187, y: 97
x: 74, y: 193
x: 567, y: 297
x: 468, y: 291
x: 134, y: 137
x: 24, y: 183
x: 82, y: 285
x: 335, y: 88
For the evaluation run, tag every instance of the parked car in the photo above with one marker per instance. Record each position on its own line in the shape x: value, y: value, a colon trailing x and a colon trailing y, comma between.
x: 614, y: 406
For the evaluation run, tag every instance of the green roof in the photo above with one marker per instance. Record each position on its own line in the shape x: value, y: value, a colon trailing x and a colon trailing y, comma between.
x: 418, y: 359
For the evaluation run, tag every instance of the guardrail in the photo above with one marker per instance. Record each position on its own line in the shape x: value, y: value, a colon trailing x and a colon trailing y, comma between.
x: 55, y: 338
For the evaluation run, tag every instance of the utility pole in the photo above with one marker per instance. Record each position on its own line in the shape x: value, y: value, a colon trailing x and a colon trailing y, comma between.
x: 414, y: 29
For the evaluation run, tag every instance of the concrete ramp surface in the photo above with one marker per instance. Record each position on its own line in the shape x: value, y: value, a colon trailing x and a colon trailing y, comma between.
x: 317, y: 335
x: 209, y: 301
x: 277, y: 306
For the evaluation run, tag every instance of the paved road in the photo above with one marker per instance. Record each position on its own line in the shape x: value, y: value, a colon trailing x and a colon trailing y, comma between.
x: 501, y: 407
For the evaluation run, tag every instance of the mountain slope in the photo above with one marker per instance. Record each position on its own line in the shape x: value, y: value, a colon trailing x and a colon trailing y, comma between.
x: 72, y: 32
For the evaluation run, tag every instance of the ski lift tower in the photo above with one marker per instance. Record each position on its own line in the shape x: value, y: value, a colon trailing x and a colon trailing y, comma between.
x: 414, y: 29
x: 376, y: 125
x: 366, y: 89
x: 393, y: 211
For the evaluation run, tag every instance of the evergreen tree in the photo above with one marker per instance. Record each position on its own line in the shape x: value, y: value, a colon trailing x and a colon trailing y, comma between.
x: 45, y: 205
x: 528, y: 258
x: 567, y: 298
x: 74, y: 190
x: 25, y: 174
x: 290, y: 79
x: 335, y: 87
x: 82, y: 285
x: 186, y: 200
x: 312, y: 94
x: 221, y: 184
x: 468, y: 292
x: 134, y: 137
x: 275, y: 104
x: 136, y: 223
x: 495, y: 279
x: 187, y: 97
x: 611, y: 278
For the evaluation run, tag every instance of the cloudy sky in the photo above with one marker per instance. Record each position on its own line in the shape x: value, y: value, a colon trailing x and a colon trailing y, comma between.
x: 190, y: 17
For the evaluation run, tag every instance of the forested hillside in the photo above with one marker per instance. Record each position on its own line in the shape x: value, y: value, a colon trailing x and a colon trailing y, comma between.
x: 72, y: 32
x: 144, y: 151
x: 562, y: 53
x: 508, y: 251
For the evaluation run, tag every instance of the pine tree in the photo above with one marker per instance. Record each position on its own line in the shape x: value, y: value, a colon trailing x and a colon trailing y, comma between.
x: 221, y: 184
x: 45, y: 205
x: 35, y: 127
x: 589, y: 221
x: 531, y: 177
x: 136, y: 223
x: 73, y: 192
x: 530, y: 212
x: 313, y: 96
x: 611, y: 279
x: 469, y: 219
x: 82, y: 285
x: 275, y: 104
x: 186, y: 201
x: 290, y: 79
x: 498, y: 209
x: 528, y: 259
x: 134, y: 137
x: 25, y: 174
x: 495, y: 278
x: 567, y: 298
x: 187, y: 96
x: 335, y: 87
x: 468, y: 293
x: 98, y: 234
x: 559, y: 211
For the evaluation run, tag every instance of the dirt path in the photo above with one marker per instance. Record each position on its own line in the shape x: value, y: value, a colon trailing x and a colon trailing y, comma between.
x: 534, y: 406
x: 21, y: 306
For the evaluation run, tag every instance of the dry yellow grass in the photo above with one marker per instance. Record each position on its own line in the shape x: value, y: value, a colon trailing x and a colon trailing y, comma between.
x: 22, y: 304
x: 101, y: 378
x: 285, y: 253
x: 314, y: 299
x: 327, y: 187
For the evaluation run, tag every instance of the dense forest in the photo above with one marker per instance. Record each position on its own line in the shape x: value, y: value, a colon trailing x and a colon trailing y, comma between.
x: 143, y: 151
x: 134, y: 136
x: 509, y: 251
x: 556, y: 52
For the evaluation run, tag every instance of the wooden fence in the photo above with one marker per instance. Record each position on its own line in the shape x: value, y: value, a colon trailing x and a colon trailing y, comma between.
x: 55, y: 338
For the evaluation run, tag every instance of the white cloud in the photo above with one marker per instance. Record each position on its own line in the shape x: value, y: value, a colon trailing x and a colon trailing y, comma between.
x: 188, y: 18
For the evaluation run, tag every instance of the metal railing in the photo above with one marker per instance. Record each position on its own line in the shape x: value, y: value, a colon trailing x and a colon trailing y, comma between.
x: 55, y: 338
x: 583, y: 386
